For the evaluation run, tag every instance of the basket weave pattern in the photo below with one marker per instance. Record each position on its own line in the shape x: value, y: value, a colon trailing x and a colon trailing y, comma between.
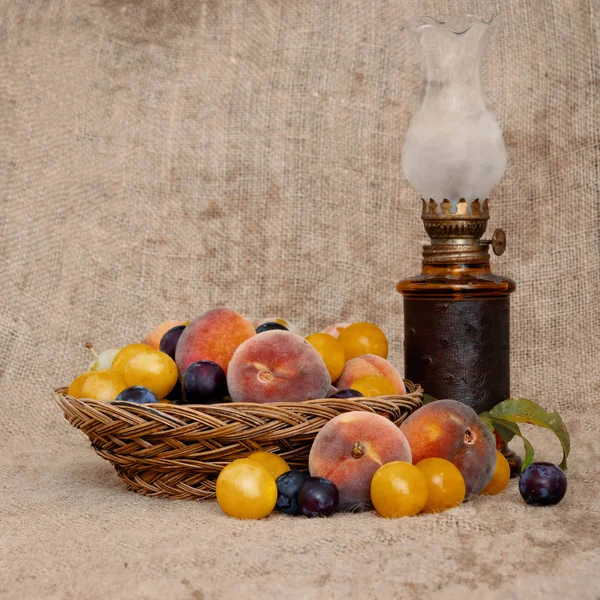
x: 177, y: 451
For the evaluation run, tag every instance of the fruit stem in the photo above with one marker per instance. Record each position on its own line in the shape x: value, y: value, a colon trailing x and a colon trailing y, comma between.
x: 91, y: 348
x: 358, y: 451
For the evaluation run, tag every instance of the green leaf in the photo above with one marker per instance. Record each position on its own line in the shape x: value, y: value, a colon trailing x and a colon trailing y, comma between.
x: 427, y: 399
x: 505, y: 434
x: 521, y: 410
x: 487, y: 421
x: 515, y: 430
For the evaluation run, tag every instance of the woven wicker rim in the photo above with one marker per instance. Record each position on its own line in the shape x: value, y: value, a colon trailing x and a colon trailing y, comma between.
x: 249, y: 413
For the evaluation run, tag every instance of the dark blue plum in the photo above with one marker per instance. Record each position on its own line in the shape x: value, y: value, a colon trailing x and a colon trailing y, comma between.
x: 138, y: 394
x: 543, y: 484
x: 269, y: 326
x: 169, y: 340
x: 318, y: 497
x: 288, y: 486
x: 204, y: 382
x: 347, y: 393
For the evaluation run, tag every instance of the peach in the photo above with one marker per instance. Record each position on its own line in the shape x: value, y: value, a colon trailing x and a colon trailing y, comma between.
x: 335, y: 329
x: 350, y: 448
x: 452, y: 430
x: 277, y: 366
x: 370, y: 364
x: 154, y: 337
x: 215, y: 336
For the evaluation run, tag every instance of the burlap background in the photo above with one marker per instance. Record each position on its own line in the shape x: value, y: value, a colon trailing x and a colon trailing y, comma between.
x: 161, y: 157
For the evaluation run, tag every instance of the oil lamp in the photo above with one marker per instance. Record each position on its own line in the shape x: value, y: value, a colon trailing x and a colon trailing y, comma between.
x: 456, y: 312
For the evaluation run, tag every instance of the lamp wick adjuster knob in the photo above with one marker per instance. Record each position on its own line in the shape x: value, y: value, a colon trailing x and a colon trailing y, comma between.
x: 498, y: 242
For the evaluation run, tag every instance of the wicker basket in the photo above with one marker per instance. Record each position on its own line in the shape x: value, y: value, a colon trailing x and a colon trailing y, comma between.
x: 177, y: 451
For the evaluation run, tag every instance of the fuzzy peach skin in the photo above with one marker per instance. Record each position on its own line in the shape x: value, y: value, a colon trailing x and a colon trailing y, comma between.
x: 452, y: 430
x: 370, y: 364
x: 215, y: 336
x: 277, y: 366
x: 335, y: 329
x: 154, y: 337
x: 350, y: 448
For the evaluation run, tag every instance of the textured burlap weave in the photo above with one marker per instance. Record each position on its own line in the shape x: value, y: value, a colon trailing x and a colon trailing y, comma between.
x: 162, y: 157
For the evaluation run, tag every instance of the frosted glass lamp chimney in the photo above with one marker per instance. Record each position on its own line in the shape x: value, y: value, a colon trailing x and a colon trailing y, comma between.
x: 454, y: 147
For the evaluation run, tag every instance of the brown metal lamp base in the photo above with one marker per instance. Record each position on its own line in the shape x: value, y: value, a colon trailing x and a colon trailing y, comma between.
x: 456, y: 312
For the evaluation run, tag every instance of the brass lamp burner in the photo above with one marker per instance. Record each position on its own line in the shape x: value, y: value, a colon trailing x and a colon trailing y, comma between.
x: 456, y: 235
